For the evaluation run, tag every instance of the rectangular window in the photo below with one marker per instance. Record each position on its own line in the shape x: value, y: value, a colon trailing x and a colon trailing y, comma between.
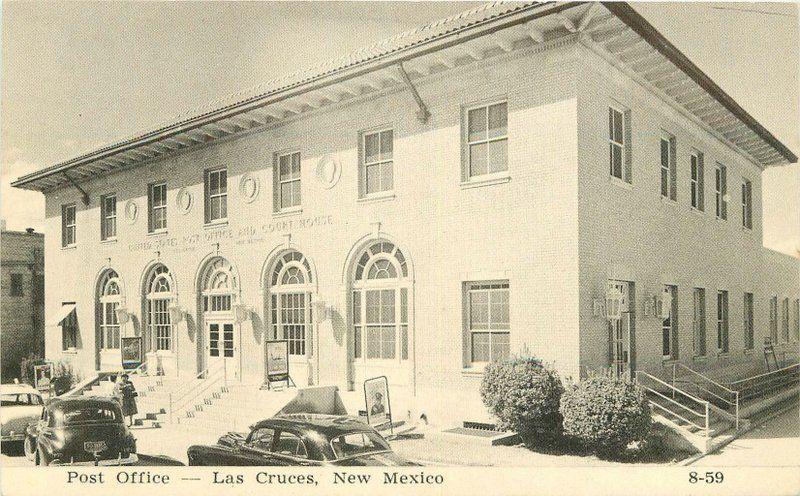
x: 69, y: 332
x: 699, y: 322
x: 616, y: 142
x: 68, y: 233
x: 160, y: 323
x: 157, y: 207
x: 216, y: 195
x: 785, y: 315
x: 669, y: 325
x: 773, y: 319
x: 380, y: 324
x: 108, y: 217
x: 378, y: 166
x: 722, y: 321
x: 16, y: 285
x: 747, y: 322
x: 288, y: 181
x: 488, y: 321
x: 697, y: 183
x: 797, y: 319
x: 291, y: 316
x: 721, y: 190
x: 487, y: 140
x: 747, y: 204
x: 668, y: 167
x: 109, y: 326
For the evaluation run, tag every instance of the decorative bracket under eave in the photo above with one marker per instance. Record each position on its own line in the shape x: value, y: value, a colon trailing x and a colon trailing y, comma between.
x: 84, y: 195
x: 422, y: 114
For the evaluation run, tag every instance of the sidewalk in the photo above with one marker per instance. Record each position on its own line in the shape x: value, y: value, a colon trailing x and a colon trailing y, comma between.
x: 772, y: 442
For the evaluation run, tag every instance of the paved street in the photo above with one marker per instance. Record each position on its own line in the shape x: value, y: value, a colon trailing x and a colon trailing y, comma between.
x: 773, y: 442
x: 12, y: 456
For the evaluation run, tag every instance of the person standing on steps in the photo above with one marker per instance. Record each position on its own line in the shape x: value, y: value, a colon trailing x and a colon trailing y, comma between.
x: 126, y: 394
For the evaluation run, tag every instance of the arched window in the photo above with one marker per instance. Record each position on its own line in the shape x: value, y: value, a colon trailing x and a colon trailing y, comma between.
x: 218, y: 287
x: 159, y: 294
x: 290, y: 301
x: 109, y: 297
x: 380, y: 303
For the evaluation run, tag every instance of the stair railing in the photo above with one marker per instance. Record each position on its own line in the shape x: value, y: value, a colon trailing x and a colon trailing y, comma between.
x: 759, y: 384
x: 705, y: 384
x: 674, y: 407
x: 209, y: 378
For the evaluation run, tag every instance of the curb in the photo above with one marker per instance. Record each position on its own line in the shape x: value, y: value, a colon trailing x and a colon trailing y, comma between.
x: 787, y: 405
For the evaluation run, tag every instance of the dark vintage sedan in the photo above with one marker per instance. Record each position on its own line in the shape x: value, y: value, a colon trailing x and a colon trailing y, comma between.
x: 301, y: 439
x: 81, y: 431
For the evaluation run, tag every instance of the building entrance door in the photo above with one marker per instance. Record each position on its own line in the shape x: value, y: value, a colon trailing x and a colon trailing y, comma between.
x: 620, y: 331
x: 222, y: 348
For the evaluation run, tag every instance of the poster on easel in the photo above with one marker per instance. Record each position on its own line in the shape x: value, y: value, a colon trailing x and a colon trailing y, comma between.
x: 43, y: 376
x: 277, y: 362
x: 132, y: 352
x: 769, y: 351
x: 376, y: 397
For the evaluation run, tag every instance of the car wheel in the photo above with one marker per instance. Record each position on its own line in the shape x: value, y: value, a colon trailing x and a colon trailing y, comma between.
x: 30, y: 448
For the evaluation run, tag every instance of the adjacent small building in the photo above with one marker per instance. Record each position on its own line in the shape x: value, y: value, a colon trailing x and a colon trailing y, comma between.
x: 554, y: 179
x: 22, y: 300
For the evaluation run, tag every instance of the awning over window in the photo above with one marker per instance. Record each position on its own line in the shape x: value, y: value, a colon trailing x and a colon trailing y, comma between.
x: 63, y: 313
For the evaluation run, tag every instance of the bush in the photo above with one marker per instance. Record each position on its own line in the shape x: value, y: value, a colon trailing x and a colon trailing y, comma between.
x: 523, y: 394
x: 606, y: 413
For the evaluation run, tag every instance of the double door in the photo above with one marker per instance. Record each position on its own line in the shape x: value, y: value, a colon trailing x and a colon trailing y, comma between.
x: 222, y: 348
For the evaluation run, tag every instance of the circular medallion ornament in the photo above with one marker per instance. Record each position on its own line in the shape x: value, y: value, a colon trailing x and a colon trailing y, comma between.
x: 248, y: 187
x: 184, y: 201
x: 131, y: 211
x: 328, y: 171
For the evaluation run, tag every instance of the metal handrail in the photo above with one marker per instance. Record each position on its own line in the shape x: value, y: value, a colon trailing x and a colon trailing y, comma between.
x: 704, y: 416
x: 773, y: 373
x: 205, y: 372
x: 704, y: 377
x: 712, y: 393
x: 207, y: 386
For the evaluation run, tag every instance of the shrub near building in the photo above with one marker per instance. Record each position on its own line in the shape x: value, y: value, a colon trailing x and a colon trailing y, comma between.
x: 523, y: 394
x: 606, y: 413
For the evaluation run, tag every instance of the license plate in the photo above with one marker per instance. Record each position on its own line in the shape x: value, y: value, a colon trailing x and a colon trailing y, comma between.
x: 94, y: 446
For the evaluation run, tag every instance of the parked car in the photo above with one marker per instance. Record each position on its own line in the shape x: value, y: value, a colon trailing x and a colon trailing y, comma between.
x: 81, y: 430
x: 20, y: 405
x: 301, y: 439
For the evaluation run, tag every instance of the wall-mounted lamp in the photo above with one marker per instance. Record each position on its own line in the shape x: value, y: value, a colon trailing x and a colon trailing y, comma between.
x: 241, y: 313
x: 122, y: 315
x: 175, y: 314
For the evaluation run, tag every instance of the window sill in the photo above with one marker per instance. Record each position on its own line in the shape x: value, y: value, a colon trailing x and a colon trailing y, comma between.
x: 697, y: 211
x: 287, y: 212
x: 748, y: 351
x: 747, y: 230
x: 108, y: 241
x: 487, y: 180
x: 70, y: 351
x: 723, y: 354
x: 160, y: 232
x: 700, y: 358
x: 620, y: 182
x: 216, y: 224
x: 473, y: 371
x: 668, y: 201
x: 70, y: 247
x: 377, y: 197
x: 720, y: 219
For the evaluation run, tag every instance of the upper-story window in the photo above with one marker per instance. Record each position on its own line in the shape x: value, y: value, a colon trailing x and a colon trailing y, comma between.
x: 747, y: 204
x: 157, y: 207
x: 216, y: 201
x: 785, y: 316
x: 288, y: 181
x: 722, y: 321
x: 721, y: 190
x: 68, y: 232
x: 697, y: 183
x: 378, y: 153
x: 669, y: 174
x: 487, y: 140
x: 619, y: 151
x: 17, y: 285
x: 108, y: 217
x: 773, y: 319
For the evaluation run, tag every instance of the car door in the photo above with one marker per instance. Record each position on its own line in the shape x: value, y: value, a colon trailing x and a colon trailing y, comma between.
x: 289, y: 449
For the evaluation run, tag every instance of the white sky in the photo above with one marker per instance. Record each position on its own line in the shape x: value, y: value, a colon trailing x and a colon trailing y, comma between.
x: 79, y: 75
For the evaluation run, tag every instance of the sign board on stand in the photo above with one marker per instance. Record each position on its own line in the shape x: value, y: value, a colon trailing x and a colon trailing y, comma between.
x: 278, y: 362
x: 132, y: 352
x: 376, y: 397
x: 43, y: 376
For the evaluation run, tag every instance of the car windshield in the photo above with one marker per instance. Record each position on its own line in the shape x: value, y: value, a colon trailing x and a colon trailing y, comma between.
x: 357, y: 443
x: 87, y: 414
x: 20, y: 399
